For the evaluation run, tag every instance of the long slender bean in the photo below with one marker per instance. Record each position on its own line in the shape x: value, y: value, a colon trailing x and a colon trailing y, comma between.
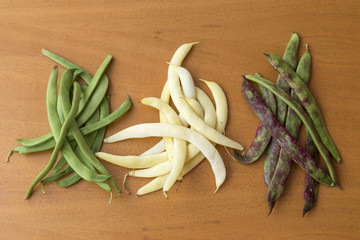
x: 88, y: 110
x: 311, y: 185
x: 262, y: 136
x: 62, y: 162
x: 86, y: 151
x: 292, y: 126
x: 273, y: 151
x: 291, y: 146
x: 125, y: 106
x: 306, y: 99
x: 85, y: 109
x: 104, y: 112
x: 53, y: 177
x: 271, y: 160
x: 62, y: 136
x: 59, y: 105
x: 303, y: 116
x: 55, y: 126
x: 74, y: 178
x: 65, y: 63
x: 98, y: 77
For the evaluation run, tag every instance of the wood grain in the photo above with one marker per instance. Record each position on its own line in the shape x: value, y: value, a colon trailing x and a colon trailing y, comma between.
x: 142, y: 36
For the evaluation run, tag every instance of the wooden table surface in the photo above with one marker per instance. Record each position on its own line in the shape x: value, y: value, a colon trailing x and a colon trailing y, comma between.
x: 142, y: 37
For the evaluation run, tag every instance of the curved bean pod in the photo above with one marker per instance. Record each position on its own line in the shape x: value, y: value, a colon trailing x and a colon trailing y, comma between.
x: 303, y: 116
x: 181, y: 53
x: 179, y: 145
x: 134, y: 162
x: 273, y: 151
x: 62, y: 161
x: 55, y: 126
x: 176, y: 60
x: 292, y: 125
x: 82, y: 145
x: 91, y: 140
x: 171, y: 130
x: 191, y: 163
x: 91, y: 81
x: 262, y: 135
x: 157, y: 148
x: 62, y: 134
x: 125, y: 106
x: 311, y: 185
x: 291, y: 146
x: 193, y: 120
x: 306, y: 99
x: 209, y: 118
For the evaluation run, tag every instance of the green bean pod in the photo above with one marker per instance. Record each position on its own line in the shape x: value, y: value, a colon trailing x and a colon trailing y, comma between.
x: 94, y: 101
x: 99, y: 76
x: 53, y: 177
x: 74, y: 178
x: 306, y: 99
x: 62, y: 161
x: 96, y: 146
x: 89, y: 141
x: 303, y: 116
x: 62, y: 135
x: 273, y: 151
x: 86, y: 151
x: 71, y: 180
x: 124, y: 107
x: 55, y: 126
x: 84, y: 111
x: 99, y: 139
x: 82, y: 117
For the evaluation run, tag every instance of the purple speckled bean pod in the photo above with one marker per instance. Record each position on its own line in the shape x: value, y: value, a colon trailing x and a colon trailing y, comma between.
x: 306, y: 99
x: 262, y: 135
x: 292, y: 125
x: 278, y: 132
x: 311, y: 185
x: 302, y: 114
x: 273, y: 151
x: 271, y: 160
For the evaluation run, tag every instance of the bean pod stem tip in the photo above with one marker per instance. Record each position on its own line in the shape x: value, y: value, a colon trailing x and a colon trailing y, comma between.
x: 9, y: 155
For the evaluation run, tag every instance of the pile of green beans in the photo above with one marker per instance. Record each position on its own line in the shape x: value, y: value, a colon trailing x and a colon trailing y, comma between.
x: 78, y: 117
x: 279, y: 125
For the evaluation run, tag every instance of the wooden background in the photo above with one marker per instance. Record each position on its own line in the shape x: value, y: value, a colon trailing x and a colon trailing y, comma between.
x: 142, y: 37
